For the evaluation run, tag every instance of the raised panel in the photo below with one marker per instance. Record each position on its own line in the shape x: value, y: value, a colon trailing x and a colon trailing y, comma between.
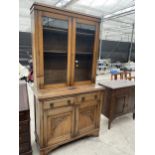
x: 58, y: 125
x: 87, y: 119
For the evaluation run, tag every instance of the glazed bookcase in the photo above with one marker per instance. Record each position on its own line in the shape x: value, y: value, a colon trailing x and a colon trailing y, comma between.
x: 65, y: 47
x: 65, y: 52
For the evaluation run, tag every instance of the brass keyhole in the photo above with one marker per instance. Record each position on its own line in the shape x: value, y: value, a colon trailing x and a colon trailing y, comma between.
x: 95, y: 96
x: 83, y: 99
x: 51, y: 105
x: 69, y: 102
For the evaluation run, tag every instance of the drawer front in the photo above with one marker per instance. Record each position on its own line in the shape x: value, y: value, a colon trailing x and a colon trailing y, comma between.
x: 56, y: 103
x: 25, y: 147
x: 24, y: 137
x: 24, y: 126
x: 89, y: 97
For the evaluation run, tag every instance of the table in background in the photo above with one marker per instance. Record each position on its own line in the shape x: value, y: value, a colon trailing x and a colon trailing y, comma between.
x: 119, y: 99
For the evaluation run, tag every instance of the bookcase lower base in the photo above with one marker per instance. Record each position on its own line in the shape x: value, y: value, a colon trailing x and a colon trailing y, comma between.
x: 46, y: 150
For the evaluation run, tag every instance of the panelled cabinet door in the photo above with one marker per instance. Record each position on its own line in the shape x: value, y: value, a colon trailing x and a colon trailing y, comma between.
x: 122, y: 102
x: 87, y: 112
x: 58, y: 124
x: 85, y: 49
x: 54, y: 48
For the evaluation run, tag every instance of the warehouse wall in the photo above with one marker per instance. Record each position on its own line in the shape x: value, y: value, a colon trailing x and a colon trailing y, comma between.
x: 115, y: 50
x: 25, y: 48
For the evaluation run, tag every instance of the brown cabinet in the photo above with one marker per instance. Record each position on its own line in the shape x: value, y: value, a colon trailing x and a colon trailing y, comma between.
x: 65, y: 52
x: 24, y: 121
x: 61, y: 119
x: 119, y: 99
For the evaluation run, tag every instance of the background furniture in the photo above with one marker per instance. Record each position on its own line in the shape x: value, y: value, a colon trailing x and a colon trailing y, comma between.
x: 65, y: 52
x: 114, y: 76
x: 24, y: 121
x: 119, y: 99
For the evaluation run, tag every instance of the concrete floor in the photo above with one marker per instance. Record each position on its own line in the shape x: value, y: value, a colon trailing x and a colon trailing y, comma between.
x: 119, y: 140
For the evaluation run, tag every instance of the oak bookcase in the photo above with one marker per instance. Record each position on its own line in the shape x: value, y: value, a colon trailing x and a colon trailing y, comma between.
x: 65, y: 52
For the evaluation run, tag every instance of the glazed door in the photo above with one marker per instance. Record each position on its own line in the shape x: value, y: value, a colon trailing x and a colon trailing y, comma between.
x: 55, y: 48
x: 58, y: 121
x: 85, y: 49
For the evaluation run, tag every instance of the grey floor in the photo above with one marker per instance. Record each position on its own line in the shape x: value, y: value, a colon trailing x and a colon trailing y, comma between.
x: 119, y: 140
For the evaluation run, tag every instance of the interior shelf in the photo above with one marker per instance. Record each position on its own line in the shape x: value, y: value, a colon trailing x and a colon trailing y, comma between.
x: 65, y: 30
x: 63, y: 52
x: 84, y: 53
x: 84, y: 33
x: 55, y: 52
x: 55, y: 29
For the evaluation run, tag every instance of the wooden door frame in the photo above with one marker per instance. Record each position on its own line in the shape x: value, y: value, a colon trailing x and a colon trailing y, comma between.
x: 95, y: 51
x: 55, y: 113
x: 41, y: 49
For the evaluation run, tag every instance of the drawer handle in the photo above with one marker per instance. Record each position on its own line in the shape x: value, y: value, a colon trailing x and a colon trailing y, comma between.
x: 83, y: 99
x: 51, y: 105
x: 95, y: 96
x: 69, y: 102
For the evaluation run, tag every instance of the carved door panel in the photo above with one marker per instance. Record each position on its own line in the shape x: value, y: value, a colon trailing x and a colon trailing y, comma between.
x: 58, y: 125
x: 87, y: 112
x: 87, y: 119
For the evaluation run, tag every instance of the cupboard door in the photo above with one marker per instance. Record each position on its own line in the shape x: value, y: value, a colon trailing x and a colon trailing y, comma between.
x: 120, y: 104
x: 58, y: 125
x: 87, y: 112
x: 85, y: 51
x: 55, y: 33
x: 122, y: 101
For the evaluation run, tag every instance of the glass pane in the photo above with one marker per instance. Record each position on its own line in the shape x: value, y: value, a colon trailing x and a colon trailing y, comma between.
x: 55, y: 36
x: 85, y: 35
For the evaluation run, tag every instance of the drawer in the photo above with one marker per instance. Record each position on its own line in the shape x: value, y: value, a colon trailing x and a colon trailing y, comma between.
x: 89, y: 97
x: 24, y: 126
x: 24, y: 138
x: 25, y: 147
x: 56, y: 103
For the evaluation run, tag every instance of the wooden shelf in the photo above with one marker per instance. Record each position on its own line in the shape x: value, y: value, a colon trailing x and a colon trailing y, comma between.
x: 66, y: 30
x: 85, y: 34
x: 63, y: 52
x: 84, y: 53
x: 55, y: 52
x: 55, y: 29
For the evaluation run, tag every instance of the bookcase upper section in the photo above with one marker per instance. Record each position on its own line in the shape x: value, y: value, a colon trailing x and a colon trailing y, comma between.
x: 65, y: 47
